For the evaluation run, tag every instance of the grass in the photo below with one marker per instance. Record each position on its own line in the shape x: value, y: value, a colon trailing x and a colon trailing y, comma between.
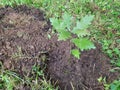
x: 9, y: 80
x: 105, y: 28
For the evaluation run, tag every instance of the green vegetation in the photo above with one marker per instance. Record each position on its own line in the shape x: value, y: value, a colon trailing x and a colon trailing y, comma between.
x: 66, y: 29
x: 115, y: 85
x: 70, y: 17
x: 104, y: 82
x: 9, y: 80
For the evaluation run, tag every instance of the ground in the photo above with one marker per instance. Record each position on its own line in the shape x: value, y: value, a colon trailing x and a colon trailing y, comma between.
x: 25, y: 42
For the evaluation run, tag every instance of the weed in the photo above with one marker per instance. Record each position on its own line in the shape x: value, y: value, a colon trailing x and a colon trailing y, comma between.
x: 66, y: 29
x: 39, y: 81
x: 116, y: 63
x: 104, y: 82
x: 115, y: 85
x: 8, y: 79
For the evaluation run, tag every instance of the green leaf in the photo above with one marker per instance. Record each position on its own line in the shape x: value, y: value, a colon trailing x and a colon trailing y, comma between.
x: 83, y: 43
x: 117, y: 63
x: 64, y: 35
x: 67, y: 20
x: 55, y: 23
x: 87, y: 19
x: 100, y: 79
x: 115, y: 85
x: 80, y: 33
x: 116, y: 50
x: 85, y: 22
x: 82, y: 25
x: 75, y: 53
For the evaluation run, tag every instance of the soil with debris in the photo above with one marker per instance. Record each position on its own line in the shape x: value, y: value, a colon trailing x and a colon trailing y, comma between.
x: 24, y: 42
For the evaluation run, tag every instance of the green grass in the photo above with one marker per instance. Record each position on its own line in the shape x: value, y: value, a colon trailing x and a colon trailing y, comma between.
x: 9, y: 80
x: 105, y: 28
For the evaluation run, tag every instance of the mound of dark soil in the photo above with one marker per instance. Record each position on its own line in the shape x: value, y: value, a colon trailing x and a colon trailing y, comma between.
x: 24, y: 42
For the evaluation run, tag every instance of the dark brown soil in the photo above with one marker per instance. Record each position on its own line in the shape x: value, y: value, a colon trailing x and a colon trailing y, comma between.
x: 24, y: 42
